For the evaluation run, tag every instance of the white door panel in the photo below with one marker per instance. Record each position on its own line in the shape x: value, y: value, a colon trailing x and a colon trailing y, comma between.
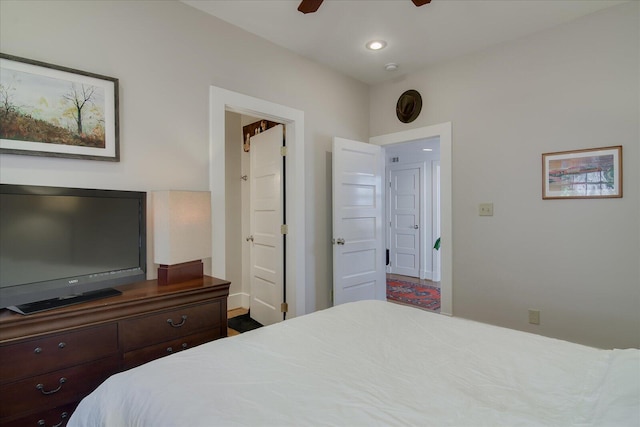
x: 404, y: 214
x: 358, y: 250
x: 266, y: 252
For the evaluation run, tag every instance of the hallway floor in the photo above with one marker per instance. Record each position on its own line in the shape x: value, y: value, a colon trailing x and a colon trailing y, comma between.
x: 413, y: 280
x: 417, y: 281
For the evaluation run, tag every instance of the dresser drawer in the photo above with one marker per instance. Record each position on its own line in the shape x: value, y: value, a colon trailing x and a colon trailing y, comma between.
x: 168, y: 325
x: 32, y: 357
x: 143, y: 355
x: 56, y: 388
x: 57, y: 417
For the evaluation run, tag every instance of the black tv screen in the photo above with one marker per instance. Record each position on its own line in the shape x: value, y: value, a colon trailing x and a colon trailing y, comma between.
x: 57, y: 242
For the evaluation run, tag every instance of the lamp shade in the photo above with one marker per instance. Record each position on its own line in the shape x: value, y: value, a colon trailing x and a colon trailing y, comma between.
x: 182, y: 226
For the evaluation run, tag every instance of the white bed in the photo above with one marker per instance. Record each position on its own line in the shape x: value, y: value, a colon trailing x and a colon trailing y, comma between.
x: 375, y: 363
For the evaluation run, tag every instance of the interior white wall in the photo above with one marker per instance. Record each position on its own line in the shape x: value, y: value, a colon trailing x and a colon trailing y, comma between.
x: 167, y: 55
x: 574, y: 86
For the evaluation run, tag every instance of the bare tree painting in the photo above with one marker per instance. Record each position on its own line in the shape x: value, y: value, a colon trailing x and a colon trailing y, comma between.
x: 44, y: 109
x: 56, y: 111
x: 79, y: 97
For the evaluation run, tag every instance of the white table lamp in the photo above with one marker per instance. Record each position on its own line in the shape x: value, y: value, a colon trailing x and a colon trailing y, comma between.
x: 182, y: 234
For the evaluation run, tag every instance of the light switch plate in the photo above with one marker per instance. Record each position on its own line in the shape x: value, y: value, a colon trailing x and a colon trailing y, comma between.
x: 485, y: 209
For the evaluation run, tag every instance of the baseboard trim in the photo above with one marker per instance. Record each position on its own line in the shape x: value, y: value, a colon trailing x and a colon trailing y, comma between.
x: 239, y: 300
x: 426, y: 274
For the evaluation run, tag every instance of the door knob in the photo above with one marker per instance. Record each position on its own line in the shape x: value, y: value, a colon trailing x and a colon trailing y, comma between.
x: 340, y: 241
x: 415, y: 227
x: 250, y: 239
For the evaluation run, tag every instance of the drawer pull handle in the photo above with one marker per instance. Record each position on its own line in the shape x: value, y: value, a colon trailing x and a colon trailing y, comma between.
x: 184, y: 346
x: 43, y: 391
x: 177, y: 325
x: 38, y: 350
x: 63, y: 416
x: 62, y: 345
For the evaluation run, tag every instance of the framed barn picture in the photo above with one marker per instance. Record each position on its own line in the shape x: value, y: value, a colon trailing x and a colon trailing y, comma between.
x: 582, y: 174
x: 49, y: 110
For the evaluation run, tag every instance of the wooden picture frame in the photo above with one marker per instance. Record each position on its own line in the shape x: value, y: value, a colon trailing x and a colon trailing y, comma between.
x: 54, y: 111
x: 592, y: 173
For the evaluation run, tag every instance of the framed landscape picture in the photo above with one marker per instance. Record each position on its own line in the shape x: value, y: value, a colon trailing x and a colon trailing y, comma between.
x: 49, y: 110
x: 582, y: 174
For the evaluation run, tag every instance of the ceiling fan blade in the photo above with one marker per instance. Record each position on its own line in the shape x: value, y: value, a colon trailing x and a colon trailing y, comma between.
x: 310, y: 6
x: 421, y: 2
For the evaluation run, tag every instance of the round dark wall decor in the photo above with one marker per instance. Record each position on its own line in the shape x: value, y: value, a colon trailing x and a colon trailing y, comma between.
x: 409, y: 106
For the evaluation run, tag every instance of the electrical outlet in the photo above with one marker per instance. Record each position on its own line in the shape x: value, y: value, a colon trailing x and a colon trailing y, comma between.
x: 485, y: 209
x: 534, y: 317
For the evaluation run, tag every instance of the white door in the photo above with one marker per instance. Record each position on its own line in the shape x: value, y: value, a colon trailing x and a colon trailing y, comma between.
x: 266, y: 254
x: 404, y: 220
x: 358, y: 248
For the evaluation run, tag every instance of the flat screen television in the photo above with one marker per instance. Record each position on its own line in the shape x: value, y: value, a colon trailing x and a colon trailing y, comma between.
x: 61, y: 246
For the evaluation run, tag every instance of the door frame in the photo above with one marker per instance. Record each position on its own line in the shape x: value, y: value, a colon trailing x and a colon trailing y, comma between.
x: 435, y: 217
x: 444, y: 132
x: 222, y: 100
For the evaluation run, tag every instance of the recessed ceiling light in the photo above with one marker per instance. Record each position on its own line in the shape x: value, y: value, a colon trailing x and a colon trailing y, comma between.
x: 391, y: 66
x: 376, y: 44
x: 427, y: 149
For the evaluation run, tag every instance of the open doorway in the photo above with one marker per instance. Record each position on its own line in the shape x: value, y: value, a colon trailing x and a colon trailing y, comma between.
x: 413, y: 222
x: 413, y: 210
x: 444, y: 254
x: 222, y: 101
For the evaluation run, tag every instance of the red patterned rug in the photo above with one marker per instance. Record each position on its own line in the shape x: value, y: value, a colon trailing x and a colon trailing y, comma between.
x: 424, y: 296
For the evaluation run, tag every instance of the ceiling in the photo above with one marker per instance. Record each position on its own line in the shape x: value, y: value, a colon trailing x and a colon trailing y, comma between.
x: 416, y: 37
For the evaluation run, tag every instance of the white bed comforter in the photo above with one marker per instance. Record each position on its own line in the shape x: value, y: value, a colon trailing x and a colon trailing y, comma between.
x: 375, y: 363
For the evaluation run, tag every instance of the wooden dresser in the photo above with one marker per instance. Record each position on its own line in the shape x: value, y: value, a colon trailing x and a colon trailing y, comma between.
x: 49, y: 361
